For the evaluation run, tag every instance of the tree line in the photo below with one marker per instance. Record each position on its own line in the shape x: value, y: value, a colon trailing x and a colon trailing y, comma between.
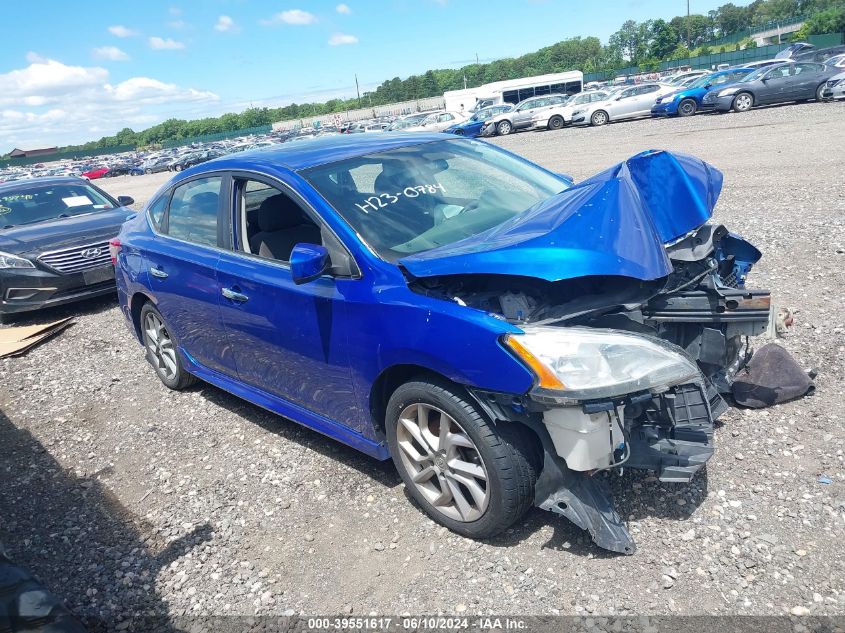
x: 635, y: 43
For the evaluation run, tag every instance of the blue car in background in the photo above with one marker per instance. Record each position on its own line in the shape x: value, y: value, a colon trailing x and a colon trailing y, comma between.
x: 500, y: 332
x: 688, y: 101
x: 472, y: 126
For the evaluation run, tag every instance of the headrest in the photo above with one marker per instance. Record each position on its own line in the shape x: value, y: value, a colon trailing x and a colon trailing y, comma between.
x: 279, y: 212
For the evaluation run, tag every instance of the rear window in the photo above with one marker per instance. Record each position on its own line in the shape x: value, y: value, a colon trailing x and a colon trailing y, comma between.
x: 33, y: 203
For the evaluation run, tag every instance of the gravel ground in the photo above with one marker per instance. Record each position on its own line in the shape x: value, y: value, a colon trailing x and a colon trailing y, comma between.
x: 127, y: 498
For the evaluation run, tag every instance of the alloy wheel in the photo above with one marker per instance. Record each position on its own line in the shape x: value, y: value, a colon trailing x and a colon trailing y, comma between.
x: 443, y: 462
x: 743, y: 102
x: 160, y: 346
x: 599, y: 118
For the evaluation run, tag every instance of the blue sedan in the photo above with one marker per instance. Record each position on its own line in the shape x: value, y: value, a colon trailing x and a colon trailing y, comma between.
x: 688, y: 101
x: 498, y: 331
x: 472, y: 126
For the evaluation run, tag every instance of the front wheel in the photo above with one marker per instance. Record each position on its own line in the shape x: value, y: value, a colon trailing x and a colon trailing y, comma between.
x: 161, y: 350
x: 503, y: 128
x: 556, y: 122
x: 743, y: 102
x: 473, y: 477
x: 599, y: 118
x: 687, y: 107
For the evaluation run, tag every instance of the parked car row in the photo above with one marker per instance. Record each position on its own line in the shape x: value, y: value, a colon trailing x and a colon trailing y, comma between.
x: 762, y: 83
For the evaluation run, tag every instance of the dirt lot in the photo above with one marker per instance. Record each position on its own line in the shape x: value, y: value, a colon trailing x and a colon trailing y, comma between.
x: 127, y: 498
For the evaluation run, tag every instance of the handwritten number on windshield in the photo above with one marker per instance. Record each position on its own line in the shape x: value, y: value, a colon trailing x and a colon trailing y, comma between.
x: 374, y: 203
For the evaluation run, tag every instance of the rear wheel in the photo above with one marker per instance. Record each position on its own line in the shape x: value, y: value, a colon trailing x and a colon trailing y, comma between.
x: 743, y: 102
x: 687, y: 107
x: 503, y: 128
x: 459, y: 132
x: 148, y: 171
x: 178, y: 168
x: 474, y: 477
x: 161, y: 350
x: 599, y: 118
x: 820, y: 93
x: 556, y: 122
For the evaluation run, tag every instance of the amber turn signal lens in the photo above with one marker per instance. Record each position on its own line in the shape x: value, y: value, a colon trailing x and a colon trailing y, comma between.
x: 547, y: 378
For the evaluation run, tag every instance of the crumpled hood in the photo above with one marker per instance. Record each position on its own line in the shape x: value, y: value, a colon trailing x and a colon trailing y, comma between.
x: 615, y: 223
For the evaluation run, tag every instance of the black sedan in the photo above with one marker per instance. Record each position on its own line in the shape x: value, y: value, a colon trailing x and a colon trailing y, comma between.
x: 779, y: 83
x: 54, y: 242
x: 189, y: 160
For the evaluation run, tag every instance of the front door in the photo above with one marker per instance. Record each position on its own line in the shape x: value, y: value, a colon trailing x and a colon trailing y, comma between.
x: 288, y: 340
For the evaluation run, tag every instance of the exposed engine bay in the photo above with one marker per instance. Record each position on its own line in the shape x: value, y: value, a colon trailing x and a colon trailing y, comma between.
x: 703, y: 307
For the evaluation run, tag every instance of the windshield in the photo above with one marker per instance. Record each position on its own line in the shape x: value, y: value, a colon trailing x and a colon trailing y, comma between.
x: 412, y: 199
x: 755, y: 75
x: 701, y: 82
x: 34, y: 203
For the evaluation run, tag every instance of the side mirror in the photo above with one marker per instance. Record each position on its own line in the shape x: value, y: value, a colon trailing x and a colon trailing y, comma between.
x: 619, y: 98
x: 307, y: 262
x: 708, y: 86
x: 125, y: 201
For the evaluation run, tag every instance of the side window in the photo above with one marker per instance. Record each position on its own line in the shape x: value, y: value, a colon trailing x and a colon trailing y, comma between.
x: 157, y: 209
x: 194, y: 210
x: 272, y: 222
x: 644, y: 90
x: 630, y: 92
x: 445, y: 117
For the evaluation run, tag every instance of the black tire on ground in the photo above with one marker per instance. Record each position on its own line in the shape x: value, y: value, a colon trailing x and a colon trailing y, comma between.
x: 180, y: 379
x: 503, y: 128
x: 556, y: 122
x: 148, y: 171
x: 508, y: 451
x: 820, y: 92
x: 178, y: 168
x: 599, y: 117
x: 459, y: 132
x: 687, y: 107
x: 742, y: 102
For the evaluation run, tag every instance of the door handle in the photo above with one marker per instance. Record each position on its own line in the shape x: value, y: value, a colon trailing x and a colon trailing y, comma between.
x: 158, y: 272
x: 234, y: 295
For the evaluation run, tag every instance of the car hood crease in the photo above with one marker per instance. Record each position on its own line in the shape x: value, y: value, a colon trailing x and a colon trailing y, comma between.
x: 615, y: 223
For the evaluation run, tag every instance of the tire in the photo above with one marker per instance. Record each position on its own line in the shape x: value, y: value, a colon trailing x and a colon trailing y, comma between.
x: 556, y: 122
x: 148, y: 171
x: 742, y: 102
x: 459, y: 132
x: 820, y: 92
x: 177, y: 168
x: 499, y: 464
x: 687, y: 107
x: 163, y: 355
x: 503, y: 128
x: 598, y: 118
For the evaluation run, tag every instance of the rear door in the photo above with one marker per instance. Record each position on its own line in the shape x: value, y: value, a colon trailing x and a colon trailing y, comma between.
x: 625, y: 104
x: 805, y: 79
x: 182, y: 268
x: 523, y: 114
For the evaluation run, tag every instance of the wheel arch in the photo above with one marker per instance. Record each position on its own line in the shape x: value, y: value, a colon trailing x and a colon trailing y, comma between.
x: 136, y: 303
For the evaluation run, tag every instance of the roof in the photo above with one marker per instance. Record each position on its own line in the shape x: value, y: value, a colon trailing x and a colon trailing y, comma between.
x: 296, y: 155
x: 29, y: 183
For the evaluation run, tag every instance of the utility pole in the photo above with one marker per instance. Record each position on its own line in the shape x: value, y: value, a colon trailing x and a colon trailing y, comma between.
x: 476, y: 59
x: 358, y: 90
x: 689, y: 38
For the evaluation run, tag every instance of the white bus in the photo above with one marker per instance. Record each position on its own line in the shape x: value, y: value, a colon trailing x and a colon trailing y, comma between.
x: 514, y: 90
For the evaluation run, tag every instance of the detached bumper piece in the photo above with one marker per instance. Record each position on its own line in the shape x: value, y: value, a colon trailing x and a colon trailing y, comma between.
x: 674, y: 433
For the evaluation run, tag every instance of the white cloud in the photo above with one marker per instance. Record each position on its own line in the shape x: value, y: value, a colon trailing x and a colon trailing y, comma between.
x: 343, y: 9
x: 342, y: 39
x: 225, y: 24
x: 52, y: 103
x: 34, y: 58
x: 165, y: 44
x: 146, y: 90
x: 177, y: 25
x: 110, y: 53
x: 118, y: 30
x: 296, y: 17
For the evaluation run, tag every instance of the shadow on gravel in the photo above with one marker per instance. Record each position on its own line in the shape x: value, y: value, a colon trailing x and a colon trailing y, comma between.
x: 80, y: 542
x: 81, y: 309
x: 382, y: 473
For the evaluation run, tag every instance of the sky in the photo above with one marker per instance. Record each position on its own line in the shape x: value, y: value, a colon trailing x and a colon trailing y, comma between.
x: 80, y: 71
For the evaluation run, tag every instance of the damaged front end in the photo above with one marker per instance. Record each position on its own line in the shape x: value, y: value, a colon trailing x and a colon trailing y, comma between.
x: 634, y: 318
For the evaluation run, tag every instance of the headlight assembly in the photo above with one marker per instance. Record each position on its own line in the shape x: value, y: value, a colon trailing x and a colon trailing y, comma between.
x: 7, y: 260
x: 586, y: 364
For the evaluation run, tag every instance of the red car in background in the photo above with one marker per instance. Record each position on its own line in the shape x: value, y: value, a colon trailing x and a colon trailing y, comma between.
x: 98, y: 172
